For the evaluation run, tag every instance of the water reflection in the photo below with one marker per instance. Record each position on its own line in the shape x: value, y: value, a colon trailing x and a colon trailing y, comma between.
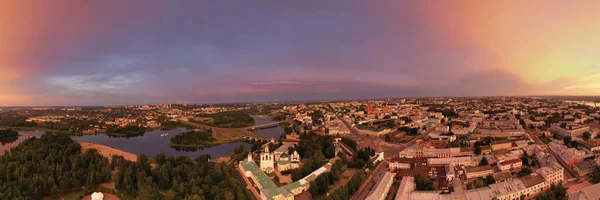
x: 7, y: 144
x: 152, y: 143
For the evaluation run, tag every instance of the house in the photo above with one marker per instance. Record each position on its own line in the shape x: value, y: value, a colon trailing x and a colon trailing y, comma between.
x: 510, y: 164
x: 585, y: 167
x: 480, y: 171
x: 501, y: 145
x: 573, y: 130
x: 400, y: 163
x: 553, y: 173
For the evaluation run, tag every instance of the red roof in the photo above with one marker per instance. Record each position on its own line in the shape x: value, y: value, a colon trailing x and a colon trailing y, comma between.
x: 508, y: 162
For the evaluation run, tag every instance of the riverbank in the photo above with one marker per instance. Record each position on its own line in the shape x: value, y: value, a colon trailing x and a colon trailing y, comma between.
x: 211, y: 144
x: 28, y: 128
x: 107, y: 152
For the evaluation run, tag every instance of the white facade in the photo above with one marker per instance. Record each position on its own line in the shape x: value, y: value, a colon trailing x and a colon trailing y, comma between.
x: 267, y: 160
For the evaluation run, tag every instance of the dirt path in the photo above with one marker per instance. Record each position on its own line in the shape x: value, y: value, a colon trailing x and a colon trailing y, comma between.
x: 107, y: 151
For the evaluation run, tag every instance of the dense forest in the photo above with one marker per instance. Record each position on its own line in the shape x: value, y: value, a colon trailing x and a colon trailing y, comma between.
x: 8, y: 134
x: 179, y: 178
x: 127, y: 131
x: 194, y: 138
x: 231, y: 119
x: 53, y: 163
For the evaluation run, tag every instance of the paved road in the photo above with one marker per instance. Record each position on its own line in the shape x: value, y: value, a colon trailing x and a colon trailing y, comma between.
x: 368, y: 184
x: 538, y: 141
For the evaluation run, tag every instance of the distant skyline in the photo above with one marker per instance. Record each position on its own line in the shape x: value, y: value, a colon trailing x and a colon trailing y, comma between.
x: 151, y: 52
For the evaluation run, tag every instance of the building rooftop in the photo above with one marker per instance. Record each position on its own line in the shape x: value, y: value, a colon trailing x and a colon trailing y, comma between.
x: 532, y: 180
x: 477, y: 169
x: 588, y: 193
x: 380, y: 187
x: 407, y: 185
x: 508, y: 162
x: 502, y: 176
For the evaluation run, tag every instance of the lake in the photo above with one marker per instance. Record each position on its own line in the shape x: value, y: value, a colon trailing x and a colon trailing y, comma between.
x: 151, y: 143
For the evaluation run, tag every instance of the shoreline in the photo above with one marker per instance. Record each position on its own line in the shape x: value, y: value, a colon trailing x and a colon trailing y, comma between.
x: 107, y: 151
x: 28, y: 128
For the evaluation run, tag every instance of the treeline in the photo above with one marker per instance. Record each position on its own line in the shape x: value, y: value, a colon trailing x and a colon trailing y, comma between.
x: 281, y: 116
x: 69, y: 126
x: 314, y: 151
x: 321, y: 184
x: 231, y: 119
x: 170, y: 125
x: 346, y: 191
x: 193, y: 138
x: 179, y: 177
x: 38, y: 168
x: 9, y: 119
x: 362, y: 158
x: 8, y: 134
x: 127, y: 131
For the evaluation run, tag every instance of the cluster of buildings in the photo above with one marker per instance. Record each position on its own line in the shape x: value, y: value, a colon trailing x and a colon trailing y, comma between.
x: 267, y: 189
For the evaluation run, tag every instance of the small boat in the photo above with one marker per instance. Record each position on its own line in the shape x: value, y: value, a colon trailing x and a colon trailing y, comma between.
x: 164, y: 134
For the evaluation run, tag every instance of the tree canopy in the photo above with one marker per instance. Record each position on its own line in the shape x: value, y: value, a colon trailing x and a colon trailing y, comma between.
x: 53, y: 163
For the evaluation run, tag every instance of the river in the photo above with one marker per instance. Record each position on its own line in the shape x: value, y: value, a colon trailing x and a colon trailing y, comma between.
x: 274, y: 132
x: 151, y: 143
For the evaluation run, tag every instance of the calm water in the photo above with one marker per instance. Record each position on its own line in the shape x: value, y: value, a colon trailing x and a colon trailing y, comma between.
x: 151, y: 144
x: 22, y: 136
x: 274, y: 132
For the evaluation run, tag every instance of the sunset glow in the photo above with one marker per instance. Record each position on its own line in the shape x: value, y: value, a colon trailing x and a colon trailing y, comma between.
x: 109, y: 52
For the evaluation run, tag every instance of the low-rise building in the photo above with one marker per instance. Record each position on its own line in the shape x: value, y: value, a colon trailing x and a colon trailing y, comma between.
x: 573, y: 130
x: 553, y: 173
x: 510, y: 164
x: 585, y: 167
x: 501, y: 145
x: 502, y: 176
x: 480, y: 171
x: 400, y: 163
x: 588, y: 193
x: 526, y: 186
x: 454, y: 161
x: 589, y: 147
x: 382, y: 187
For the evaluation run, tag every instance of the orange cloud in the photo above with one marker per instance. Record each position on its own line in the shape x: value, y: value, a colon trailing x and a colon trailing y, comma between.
x: 541, y: 40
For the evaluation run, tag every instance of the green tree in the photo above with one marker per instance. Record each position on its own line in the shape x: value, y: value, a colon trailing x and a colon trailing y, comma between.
x: 525, y: 160
x: 477, y: 150
x: 567, y: 140
x: 524, y: 171
x: 586, y: 135
x: 314, y: 191
x: 423, y: 183
x: 483, y: 161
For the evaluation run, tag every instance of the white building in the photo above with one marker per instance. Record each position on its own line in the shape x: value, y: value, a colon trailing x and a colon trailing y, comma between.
x: 553, y: 173
x: 267, y: 160
x: 382, y: 187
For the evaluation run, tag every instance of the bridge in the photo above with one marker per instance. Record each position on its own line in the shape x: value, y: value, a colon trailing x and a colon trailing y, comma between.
x: 267, y: 125
x: 235, y: 133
